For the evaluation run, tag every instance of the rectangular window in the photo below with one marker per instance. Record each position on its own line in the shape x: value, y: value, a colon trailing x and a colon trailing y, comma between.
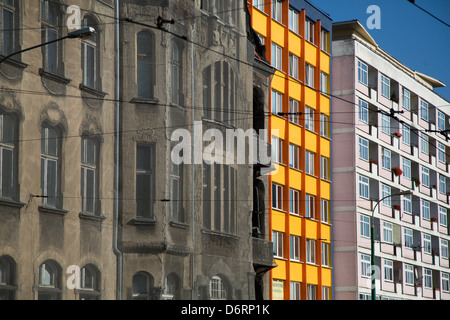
x: 426, y: 243
x: 445, y: 279
x: 442, y: 184
x: 362, y: 72
x: 277, y: 196
x: 9, y: 17
x: 259, y: 4
x: 277, y: 56
x: 386, y: 159
x: 293, y: 20
x: 427, y: 278
x: 309, y: 75
x: 294, y: 200
x: 324, y: 83
x: 364, y: 222
x: 386, y: 192
x: 324, y: 40
x: 442, y: 157
x: 424, y: 110
x: 294, y: 247
x: 424, y: 145
x: 293, y: 111
x: 309, y: 206
x: 325, y: 211
x: 324, y: 168
x: 309, y: 118
x: 408, y: 236
x: 365, y: 265
x: 441, y: 121
x: 388, y: 270
x: 406, y: 134
x: 406, y: 168
x: 325, y: 254
x: 295, y: 290
x: 406, y: 101
x: 425, y: 206
x: 88, y: 175
x: 51, y: 53
x: 442, y: 216
x: 444, y: 249
x: 277, y: 239
x: 293, y: 66
x: 425, y: 177
x: 387, y: 232
x: 176, y: 192
x: 364, y: 187
x: 144, y: 181
x: 409, y: 274
x: 363, y: 111
x: 385, y: 86
x: 363, y: 149
x: 277, y: 10
x: 309, y: 162
x: 324, y: 125
x: 8, y: 140
x: 311, y: 292
x: 277, y: 102
x: 277, y: 149
x: 309, y: 30
x: 326, y: 293
x: 310, y: 251
x: 294, y: 156
x: 407, y: 204
x: 385, y: 124
x: 50, y: 169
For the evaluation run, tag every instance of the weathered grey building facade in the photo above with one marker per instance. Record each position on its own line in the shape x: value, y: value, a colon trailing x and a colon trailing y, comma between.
x: 92, y: 205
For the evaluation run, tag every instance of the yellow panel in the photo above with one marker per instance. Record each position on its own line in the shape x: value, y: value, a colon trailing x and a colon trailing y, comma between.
x: 278, y: 82
x: 279, y: 175
x: 325, y: 104
x: 310, y: 54
x: 295, y: 90
x: 311, y: 229
x: 295, y: 225
x: 295, y: 44
x: 311, y: 185
x: 295, y: 134
x: 277, y: 33
x: 312, y: 274
x: 278, y: 221
x: 324, y: 62
x: 325, y: 190
x: 326, y: 277
x: 296, y: 272
x: 325, y: 232
x: 260, y: 23
x: 295, y: 179
x: 280, y: 125
x: 279, y: 272
x: 310, y: 141
x: 325, y: 147
x: 310, y: 97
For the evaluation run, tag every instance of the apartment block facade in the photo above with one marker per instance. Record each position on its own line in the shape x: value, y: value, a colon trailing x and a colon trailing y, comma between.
x: 92, y: 205
x: 296, y: 36
x: 389, y: 134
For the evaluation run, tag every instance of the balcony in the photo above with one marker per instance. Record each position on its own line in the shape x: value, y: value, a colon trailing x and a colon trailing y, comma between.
x: 262, y: 254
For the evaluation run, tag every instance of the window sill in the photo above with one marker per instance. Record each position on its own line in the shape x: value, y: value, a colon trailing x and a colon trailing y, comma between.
x: 11, y: 203
x: 219, y: 233
x: 145, y: 100
x: 144, y: 221
x: 91, y: 216
x: 14, y: 63
x: 45, y: 209
x: 178, y: 224
x: 54, y: 77
x: 92, y: 91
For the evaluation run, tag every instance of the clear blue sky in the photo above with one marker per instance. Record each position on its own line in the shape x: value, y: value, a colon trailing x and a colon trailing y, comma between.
x: 407, y: 33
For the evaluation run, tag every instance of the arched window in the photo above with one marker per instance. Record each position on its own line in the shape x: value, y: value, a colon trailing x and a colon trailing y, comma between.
x: 8, y: 151
x: 172, y: 287
x: 145, y: 65
x: 49, y: 281
x: 89, y: 175
x: 89, y: 283
x: 142, y: 285
x: 176, y: 69
x: 50, y: 166
x: 51, y: 18
x: 90, y: 56
x: 217, y: 288
x: 7, y: 278
x: 9, y: 23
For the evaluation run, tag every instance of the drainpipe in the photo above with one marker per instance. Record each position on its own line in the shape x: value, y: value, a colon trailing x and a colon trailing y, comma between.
x: 116, y: 175
x: 192, y: 165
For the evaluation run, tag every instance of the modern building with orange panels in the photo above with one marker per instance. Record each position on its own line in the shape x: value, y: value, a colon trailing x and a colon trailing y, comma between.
x: 297, y: 36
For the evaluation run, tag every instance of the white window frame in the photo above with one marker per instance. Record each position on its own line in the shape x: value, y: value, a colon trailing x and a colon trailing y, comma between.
x: 425, y: 173
x: 309, y: 30
x: 406, y: 168
x: 324, y: 168
x: 387, y: 232
x: 293, y: 111
x: 441, y: 155
x: 324, y: 40
x: 408, y: 238
x: 385, y: 192
x: 388, y: 268
x: 406, y: 101
x: 427, y: 278
x: 441, y: 121
x: 362, y: 72
x: 366, y: 266
x: 363, y: 148
x: 277, y: 149
x: 324, y: 125
x: 443, y: 216
x: 310, y: 251
x: 277, y: 102
x: 293, y: 20
x: 309, y: 75
x: 259, y: 4
x: 425, y: 209
x: 277, y: 191
x: 442, y: 184
x: 326, y: 254
x: 385, y: 86
x: 409, y: 274
x: 426, y: 243
x: 407, y: 204
x: 294, y: 201
x: 277, y: 56
x: 385, y: 124
x: 309, y: 162
x: 278, y: 245
x: 89, y: 163
x: 443, y: 248
x: 309, y: 118
x: 386, y: 159
x: 424, y: 144
x: 325, y: 210
x: 424, y: 110
x: 277, y: 10
x: 364, y: 226
x: 294, y: 247
x: 295, y: 290
x: 324, y: 83
x: 445, y: 282
x: 364, y: 187
x: 310, y: 206
x: 293, y: 65
x: 406, y: 134
x: 363, y: 111
x: 294, y: 154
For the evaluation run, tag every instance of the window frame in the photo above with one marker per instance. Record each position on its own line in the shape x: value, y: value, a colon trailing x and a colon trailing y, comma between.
x: 385, y: 83
x: 46, y: 159
x: 364, y: 226
x: 146, y: 209
x: 309, y: 162
x: 309, y: 75
x: 89, y: 166
x: 278, y: 245
x: 310, y: 251
x: 293, y: 66
x: 277, y: 196
x: 294, y: 248
x: 277, y: 56
x: 364, y: 187
x: 363, y: 71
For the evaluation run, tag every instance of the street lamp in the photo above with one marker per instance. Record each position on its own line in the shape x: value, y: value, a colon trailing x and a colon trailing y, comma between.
x: 84, y: 33
x: 372, y: 238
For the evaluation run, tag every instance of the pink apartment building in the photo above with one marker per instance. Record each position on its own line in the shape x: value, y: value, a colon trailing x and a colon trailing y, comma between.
x: 388, y: 137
